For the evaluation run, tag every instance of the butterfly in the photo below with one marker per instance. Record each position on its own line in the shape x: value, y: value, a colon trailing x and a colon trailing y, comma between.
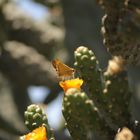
x: 64, y: 72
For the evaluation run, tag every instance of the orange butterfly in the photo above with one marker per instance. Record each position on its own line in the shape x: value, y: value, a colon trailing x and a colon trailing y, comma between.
x: 64, y: 72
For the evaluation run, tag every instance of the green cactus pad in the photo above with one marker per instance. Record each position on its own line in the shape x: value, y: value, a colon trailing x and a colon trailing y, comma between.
x: 117, y: 96
x: 34, y: 118
x: 109, y: 103
x: 87, y: 65
x: 82, y: 117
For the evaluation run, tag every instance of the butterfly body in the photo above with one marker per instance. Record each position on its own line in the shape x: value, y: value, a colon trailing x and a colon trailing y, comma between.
x: 64, y: 72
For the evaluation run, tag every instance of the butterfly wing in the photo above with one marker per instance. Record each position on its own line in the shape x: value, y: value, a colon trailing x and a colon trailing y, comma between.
x: 63, y: 71
x: 55, y: 64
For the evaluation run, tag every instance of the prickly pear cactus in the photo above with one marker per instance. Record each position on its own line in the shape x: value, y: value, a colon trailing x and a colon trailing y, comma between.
x: 82, y: 117
x: 86, y: 63
x: 102, y: 112
x: 34, y: 118
x: 108, y: 89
